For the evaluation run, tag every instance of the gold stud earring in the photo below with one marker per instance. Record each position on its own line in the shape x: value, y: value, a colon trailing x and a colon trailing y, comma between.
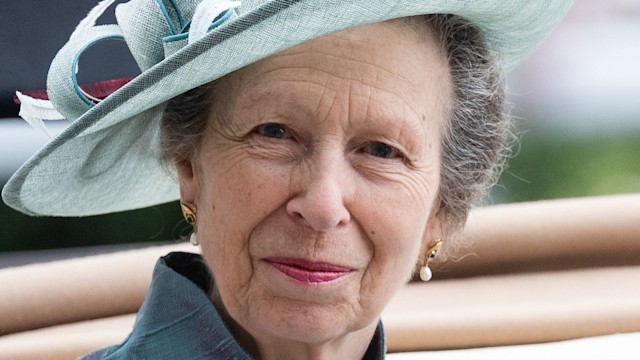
x: 189, y: 213
x: 432, y: 251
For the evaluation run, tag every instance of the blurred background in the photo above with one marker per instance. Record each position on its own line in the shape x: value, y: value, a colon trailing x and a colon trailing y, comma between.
x: 575, y: 103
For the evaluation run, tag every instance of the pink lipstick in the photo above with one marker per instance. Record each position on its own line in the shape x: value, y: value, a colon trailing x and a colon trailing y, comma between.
x: 307, y: 271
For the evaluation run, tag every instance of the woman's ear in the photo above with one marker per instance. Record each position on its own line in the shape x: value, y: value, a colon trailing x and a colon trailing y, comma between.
x: 435, y: 227
x: 187, y: 179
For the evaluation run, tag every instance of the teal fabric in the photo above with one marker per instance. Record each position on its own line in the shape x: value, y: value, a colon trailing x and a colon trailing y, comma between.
x: 178, y: 321
x: 67, y: 99
x: 76, y: 59
x: 176, y: 42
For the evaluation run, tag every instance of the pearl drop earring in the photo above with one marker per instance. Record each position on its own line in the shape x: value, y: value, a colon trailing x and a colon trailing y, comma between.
x: 432, y: 251
x: 193, y: 239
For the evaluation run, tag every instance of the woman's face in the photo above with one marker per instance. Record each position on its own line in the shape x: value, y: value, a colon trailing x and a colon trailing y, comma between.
x: 317, y: 178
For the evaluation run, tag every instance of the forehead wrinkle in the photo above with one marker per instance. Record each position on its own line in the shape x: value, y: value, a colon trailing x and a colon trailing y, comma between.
x: 322, y: 99
x: 346, y: 73
x: 292, y: 100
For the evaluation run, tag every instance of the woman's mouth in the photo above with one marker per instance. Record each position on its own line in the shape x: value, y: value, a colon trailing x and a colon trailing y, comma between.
x: 306, y: 271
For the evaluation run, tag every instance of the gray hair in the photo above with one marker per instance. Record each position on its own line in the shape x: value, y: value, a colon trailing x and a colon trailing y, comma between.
x: 473, y: 142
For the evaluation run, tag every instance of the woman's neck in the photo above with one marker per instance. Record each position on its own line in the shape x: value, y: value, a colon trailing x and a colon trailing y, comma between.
x: 352, y: 345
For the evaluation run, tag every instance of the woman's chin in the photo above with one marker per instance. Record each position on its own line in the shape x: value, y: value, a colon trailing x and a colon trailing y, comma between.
x: 284, y: 321
x: 302, y: 308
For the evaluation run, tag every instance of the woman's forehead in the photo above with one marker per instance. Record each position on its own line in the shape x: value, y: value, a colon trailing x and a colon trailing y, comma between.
x: 390, y: 46
x: 388, y: 60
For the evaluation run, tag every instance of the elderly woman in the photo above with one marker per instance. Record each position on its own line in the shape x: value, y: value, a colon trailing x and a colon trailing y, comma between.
x: 321, y: 150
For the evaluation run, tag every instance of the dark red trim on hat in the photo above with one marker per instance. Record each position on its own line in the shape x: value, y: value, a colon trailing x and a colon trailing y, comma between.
x: 98, y: 90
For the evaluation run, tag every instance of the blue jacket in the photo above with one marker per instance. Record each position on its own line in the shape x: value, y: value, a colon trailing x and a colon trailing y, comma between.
x: 178, y: 320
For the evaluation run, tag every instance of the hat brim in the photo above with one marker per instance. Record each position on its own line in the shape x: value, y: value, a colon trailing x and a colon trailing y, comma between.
x: 109, y: 159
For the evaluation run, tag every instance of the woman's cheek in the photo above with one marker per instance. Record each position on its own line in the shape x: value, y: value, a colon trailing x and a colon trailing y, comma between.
x: 245, y: 190
x: 395, y: 225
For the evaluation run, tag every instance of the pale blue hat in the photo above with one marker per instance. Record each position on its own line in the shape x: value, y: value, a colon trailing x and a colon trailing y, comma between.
x: 109, y: 158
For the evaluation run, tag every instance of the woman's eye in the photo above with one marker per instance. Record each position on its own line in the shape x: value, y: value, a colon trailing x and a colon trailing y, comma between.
x: 382, y: 150
x: 273, y: 130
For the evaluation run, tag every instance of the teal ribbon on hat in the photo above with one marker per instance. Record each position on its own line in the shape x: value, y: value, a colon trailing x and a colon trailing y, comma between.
x: 150, y: 29
x: 62, y: 86
x: 176, y: 42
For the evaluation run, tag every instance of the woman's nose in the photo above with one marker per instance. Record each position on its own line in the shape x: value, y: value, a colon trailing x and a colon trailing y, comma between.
x: 319, y: 201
